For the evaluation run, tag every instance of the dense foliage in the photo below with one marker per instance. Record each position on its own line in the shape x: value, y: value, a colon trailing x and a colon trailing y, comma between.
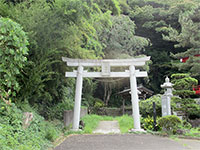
x: 14, y: 136
x: 146, y: 106
x: 188, y: 106
x: 13, y: 52
x: 64, y: 28
x: 183, y: 84
x: 147, y: 123
x: 34, y: 35
x: 170, y: 123
x: 96, y: 29
x: 187, y: 37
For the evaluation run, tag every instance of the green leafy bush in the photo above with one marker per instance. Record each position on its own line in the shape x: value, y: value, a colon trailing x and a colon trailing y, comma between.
x: 51, y: 133
x: 147, y: 123
x: 58, y: 109
x: 183, y: 84
x: 188, y: 106
x: 146, y: 106
x: 14, y: 136
x: 66, y: 103
x: 98, y: 106
x: 186, y: 124
x: 170, y: 123
x: 98, y: 103
x: 13, y: 51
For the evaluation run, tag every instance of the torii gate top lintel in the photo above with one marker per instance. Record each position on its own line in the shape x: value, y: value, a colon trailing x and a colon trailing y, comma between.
x: 112, y: 62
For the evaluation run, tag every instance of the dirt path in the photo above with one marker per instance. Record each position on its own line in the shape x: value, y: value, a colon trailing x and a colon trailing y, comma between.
x: 107, y: 127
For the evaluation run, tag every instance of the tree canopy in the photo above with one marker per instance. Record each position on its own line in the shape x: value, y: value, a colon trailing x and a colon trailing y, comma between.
x: 96, y: 29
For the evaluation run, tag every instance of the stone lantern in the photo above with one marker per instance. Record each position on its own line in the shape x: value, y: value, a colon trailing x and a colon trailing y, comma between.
x: 166, y: 98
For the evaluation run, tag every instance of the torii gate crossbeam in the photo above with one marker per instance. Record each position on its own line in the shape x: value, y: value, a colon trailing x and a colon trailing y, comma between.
x: 105, y: 73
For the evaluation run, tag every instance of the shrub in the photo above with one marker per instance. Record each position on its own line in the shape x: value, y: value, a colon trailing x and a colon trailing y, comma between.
x: 98, y: 105
x: 146, y: 106
x: 186, y: 124
x: 13, y: 51
x: 57, y: 112
x: 183, y: 84
x: 183, y: 88
x: 188, y: 106
x: 66, y: 103
x: 13, y: 136
x: 51, y: 133
x: 148, y: 123
x: 169, y: 123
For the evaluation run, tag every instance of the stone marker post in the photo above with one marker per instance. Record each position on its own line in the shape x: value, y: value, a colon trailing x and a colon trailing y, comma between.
x: 166, y: 98
x: 154, y: 116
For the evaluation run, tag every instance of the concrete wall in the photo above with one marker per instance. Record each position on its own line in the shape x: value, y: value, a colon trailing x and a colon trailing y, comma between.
x: 69, y: 114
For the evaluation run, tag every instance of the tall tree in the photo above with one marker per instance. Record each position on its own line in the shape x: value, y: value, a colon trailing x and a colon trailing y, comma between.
x: 120, y: 41
x: 62, y: 28
x: 187, y: 37
x: 149, y: 16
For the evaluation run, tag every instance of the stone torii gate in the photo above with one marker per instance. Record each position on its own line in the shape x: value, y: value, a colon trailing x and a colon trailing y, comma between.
x: 106, y: 65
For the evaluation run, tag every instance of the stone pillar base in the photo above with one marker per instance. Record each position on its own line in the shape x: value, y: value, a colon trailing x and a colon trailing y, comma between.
x: 76, y: 130
x: 137, y: 130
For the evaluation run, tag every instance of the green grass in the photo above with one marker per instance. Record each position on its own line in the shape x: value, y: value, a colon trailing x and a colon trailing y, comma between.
x: 92, y: 121
x: 194, y: 132
x: 125, y: 123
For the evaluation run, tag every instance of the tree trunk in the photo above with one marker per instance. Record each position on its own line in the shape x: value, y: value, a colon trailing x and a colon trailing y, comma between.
x: 107, y: 93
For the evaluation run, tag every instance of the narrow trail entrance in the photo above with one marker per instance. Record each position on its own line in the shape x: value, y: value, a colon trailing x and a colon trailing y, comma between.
x: 108, y: 127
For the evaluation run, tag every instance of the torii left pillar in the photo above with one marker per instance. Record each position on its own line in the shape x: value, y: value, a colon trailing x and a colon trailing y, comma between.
x: 134, y: 99
x: 78, y: 94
